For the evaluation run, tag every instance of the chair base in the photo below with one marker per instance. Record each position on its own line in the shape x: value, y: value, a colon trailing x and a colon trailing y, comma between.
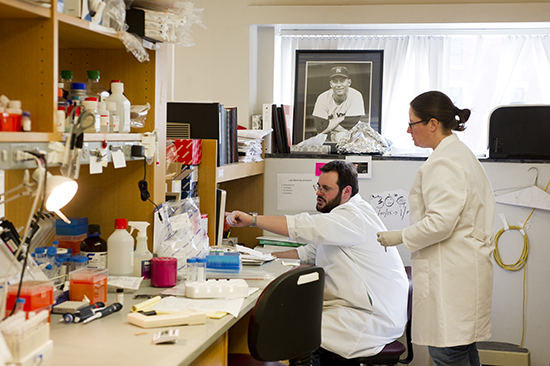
x: 242, y: 359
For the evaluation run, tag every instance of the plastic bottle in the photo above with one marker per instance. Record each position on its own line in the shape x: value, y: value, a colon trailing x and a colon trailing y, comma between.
x: 142, y: 256
x: 15, y: 112
x: 192, y: 269
x: 66, y: 79
x: 91, y: 105
x: 120, y: 246
x: 104, y: 118
x: 26, y: 121
x: 122, y: 106
x: 62, y: 107
x: 201, y: 269
x: 77, y: 89
x: 94, y: 87
x: 113, y: 117
x: 95, y: 248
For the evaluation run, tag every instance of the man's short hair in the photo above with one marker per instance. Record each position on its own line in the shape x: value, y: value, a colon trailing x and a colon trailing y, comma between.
x: 339, y: 71
x: 347, y: 174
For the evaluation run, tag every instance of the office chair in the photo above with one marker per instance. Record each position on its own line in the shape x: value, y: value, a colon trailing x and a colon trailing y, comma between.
x: 286, y: 321
x: 391, y: 353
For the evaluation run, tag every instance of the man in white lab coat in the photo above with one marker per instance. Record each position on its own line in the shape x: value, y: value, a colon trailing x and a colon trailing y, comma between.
x: 365, y: 298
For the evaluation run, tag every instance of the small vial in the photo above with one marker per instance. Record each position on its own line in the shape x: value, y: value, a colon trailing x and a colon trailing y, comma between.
x: 19, y: 305
x: 192, y: 269
x: 80, y: 262
x: 26, y: 121
x: 120, y: 296
x: 201, y: 269
x: 51, y: 252
x: 40, y: 255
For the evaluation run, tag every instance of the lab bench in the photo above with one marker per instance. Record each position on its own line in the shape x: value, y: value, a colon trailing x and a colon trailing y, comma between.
x: 114, y: 341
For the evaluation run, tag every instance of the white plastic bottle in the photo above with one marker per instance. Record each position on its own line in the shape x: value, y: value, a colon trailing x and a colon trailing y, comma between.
x: 91, y: 106
x: 142, y: 255
x: 104, y: 118
x: 122, y: 105
x: 113, y: 117
x: 120, y: 246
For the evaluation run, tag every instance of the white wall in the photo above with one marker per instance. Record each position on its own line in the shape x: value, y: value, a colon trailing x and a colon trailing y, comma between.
x: 232, y: 63
x: 508, y: 286
x: 221, y: 66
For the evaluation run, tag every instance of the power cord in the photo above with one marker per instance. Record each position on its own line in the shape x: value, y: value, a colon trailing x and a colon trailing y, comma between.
x: 144, y: 190
x: 521, y: 263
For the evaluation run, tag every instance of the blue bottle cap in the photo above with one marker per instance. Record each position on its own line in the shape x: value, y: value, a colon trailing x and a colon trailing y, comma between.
x: 40, y: 250
x: 192, y: 260
x: 201, y: 260
x: 52, y: 251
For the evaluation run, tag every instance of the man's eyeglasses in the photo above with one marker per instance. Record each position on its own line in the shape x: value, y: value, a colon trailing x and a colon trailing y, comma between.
x: 411, y: 124
x: 324, y: 189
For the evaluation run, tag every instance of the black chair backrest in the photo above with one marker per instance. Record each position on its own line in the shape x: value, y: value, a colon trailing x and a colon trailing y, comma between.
x: 286, y: 321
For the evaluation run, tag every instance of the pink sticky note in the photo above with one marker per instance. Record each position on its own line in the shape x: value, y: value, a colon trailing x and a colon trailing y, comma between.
x: 317, y: 168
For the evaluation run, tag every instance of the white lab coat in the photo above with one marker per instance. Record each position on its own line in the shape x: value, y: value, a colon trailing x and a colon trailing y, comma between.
x: 365, y: 298
x: 452, y: 210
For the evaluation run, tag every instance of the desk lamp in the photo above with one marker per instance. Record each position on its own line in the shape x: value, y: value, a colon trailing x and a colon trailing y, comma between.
x: 54, y: 192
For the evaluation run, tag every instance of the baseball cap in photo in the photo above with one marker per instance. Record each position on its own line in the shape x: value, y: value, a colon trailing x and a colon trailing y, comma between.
x: 339, y: 71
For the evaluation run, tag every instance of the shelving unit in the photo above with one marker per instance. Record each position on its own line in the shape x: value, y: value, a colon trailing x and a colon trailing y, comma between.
x: 244, y: 183
x: 36, y: 44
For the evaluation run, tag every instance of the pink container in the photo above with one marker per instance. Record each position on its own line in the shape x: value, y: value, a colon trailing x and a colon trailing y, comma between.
x: 164, y: 272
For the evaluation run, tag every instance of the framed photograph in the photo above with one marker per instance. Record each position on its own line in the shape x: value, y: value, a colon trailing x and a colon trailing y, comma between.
x: 336, y: 89
x: 363, y: 164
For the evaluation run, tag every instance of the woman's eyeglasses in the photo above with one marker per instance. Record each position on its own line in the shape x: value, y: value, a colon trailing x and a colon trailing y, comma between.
x: 411, y: 124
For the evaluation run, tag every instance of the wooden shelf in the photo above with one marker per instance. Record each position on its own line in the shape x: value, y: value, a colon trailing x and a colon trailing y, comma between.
x: 14, y: 9
x: 244, y: 183
x: 75, y: 33
x: 239, y: 170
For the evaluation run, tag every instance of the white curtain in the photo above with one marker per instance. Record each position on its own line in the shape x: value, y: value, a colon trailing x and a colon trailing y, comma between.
x: 479, y: 72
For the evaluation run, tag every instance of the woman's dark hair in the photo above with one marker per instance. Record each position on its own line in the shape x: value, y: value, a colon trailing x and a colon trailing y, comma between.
x: 435, y: 104
x: 347, y: 174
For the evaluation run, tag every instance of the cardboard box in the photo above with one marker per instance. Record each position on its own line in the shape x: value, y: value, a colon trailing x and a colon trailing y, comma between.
x: 188, y: 151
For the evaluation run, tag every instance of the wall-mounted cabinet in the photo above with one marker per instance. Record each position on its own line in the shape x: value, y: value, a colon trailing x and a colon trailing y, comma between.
x: 36, y: 44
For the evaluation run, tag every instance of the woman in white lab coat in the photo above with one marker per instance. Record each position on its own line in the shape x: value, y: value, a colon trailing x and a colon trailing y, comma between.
x: 452, y: 212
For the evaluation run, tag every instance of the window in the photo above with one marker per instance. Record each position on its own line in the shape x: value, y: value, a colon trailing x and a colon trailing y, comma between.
x: 478, y: 70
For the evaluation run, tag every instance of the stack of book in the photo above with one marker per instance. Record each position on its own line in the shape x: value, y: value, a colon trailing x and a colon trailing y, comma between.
x: 208, y: 121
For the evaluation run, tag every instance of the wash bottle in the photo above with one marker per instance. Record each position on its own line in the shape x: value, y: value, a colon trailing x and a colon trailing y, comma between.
x: 142, y: 256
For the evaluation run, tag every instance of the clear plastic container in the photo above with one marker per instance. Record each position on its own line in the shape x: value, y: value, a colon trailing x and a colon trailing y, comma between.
x: 91, y: 106
x: 77, y: 90
x: 94, y: 87
x: 66, y: 79
x: 192, y: 269
x: 201, y: 269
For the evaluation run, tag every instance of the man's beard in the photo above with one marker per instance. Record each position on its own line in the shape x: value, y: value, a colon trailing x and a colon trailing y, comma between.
x: 330, y: 204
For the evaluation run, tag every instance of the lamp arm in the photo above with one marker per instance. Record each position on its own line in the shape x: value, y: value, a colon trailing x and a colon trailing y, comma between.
x: 26, y: 185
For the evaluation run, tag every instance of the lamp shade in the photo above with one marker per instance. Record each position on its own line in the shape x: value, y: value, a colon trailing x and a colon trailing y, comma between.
x: 59, y: 191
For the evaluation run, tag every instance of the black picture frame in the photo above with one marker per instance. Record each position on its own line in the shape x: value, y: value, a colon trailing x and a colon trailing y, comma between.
x: 312, y: 78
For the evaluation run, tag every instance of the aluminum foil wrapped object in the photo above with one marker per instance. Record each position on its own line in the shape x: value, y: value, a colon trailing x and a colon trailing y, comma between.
x: 362, y: 139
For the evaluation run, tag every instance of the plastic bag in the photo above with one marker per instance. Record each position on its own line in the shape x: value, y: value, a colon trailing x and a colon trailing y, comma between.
x: 181, y: 234
x: 362, y: 139
x: 138, y: 114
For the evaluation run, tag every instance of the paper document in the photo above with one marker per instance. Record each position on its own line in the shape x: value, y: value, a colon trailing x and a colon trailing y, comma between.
x: 172, y: 304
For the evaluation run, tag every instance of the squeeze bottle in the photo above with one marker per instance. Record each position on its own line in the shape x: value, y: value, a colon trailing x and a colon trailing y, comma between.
x: 120, y: 246
x: 142, y: 256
